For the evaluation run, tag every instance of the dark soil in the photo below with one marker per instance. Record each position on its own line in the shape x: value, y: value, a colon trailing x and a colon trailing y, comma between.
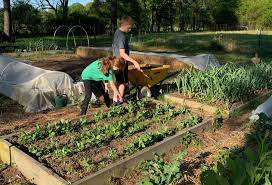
x: 72, y: 166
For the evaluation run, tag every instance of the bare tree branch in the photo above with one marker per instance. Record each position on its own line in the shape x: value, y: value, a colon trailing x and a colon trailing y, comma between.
x: 51, y: 5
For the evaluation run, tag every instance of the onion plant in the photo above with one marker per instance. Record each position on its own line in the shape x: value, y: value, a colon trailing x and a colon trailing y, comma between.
x: 228, y: 84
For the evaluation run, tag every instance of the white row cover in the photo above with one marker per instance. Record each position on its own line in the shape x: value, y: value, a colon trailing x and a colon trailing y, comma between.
x: 201, y: 62
x: 265, y: 108
x: 33, y: 87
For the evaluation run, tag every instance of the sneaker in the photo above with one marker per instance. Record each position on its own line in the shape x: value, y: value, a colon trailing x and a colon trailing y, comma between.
x: 114, y: 103
x: 107, y: 100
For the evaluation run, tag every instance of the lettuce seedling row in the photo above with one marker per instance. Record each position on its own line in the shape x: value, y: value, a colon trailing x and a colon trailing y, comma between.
x: 79, y: 150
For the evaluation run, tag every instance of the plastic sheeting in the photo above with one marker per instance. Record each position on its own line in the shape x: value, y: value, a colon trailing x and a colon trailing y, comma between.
x: 32, y: 87
x: 201, y: 62
x: 265, y: 108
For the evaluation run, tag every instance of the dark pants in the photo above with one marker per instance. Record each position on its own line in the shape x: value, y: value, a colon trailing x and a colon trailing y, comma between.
x: 122, y: 76
x: 96, y: 87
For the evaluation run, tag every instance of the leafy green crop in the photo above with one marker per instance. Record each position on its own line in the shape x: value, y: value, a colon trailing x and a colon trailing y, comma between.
x: 149, y: 139
x: 87, y: 164
x: 138, y: 127
x: 162, y: 173
x: 189, y: 122
x: 230, y: 83
x: 35, y: 150
x: 99, y: 136
x: 62, y: 152
x: 166, y: 112
x: 112, y: 112
x: 112, y: 153
x: 190, y: 138
x: 58, y: 128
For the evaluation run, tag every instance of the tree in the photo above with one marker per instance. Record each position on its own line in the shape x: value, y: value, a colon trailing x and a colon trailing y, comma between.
x: 113, y: 16
x: 7, y: 18
x: 100, y: 12
x: 224, y: 12
x: 77, y: 8
x: 257, y: 14
x: 26, y: 18
x: 60, y: 7
x: 168, y: 12
x: 77, y: 13
x: 133, y: 9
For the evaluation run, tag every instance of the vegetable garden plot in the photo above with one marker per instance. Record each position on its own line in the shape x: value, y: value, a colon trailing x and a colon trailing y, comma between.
x: 228, y: 88
x: 76, y: 149
x: 183, y: 163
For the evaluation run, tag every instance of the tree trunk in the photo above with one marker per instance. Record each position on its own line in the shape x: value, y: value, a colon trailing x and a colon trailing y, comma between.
x: 152, y: 19
x: 194, y: 22
x: 171, y: 12
x: 139, y: 33
x: 181, y: 16
x: 171, y: 23
x: 113, y: 16
x: 7, y: 18
x: 64, y: 12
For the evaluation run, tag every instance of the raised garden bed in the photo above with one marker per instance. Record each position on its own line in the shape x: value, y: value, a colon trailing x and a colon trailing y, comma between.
x: 85, y: 152
x: 194, y: 157
x: 141, y: 57
x: 238, y: 108
x: 230, y: 89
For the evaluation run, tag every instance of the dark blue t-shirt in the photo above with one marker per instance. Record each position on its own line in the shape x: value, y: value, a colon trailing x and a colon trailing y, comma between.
x: 119, y: 42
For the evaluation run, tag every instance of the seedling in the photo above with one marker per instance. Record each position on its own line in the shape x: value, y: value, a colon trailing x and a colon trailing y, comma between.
x: 190, y: 138
x: 88, y: 164
x: 112, y: 153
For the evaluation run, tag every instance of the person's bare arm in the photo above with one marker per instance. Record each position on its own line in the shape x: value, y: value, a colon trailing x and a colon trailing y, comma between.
x: 115, y: 90
x: 129, y: 59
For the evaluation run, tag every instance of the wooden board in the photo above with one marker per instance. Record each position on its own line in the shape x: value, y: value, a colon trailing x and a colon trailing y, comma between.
x: 234, y: 112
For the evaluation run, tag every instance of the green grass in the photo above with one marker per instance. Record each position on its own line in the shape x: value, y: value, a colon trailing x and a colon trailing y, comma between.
x: 49, y: 43
x: 233, y: 46
x: 239, y: 46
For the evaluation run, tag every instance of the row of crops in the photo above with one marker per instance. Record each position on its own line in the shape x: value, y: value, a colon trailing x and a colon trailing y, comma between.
x: 246, y: 165
x: 225, y: 85
x: 75, y: 149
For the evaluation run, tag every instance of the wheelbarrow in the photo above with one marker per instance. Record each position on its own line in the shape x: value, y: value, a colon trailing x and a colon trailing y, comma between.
x: 145, y: 80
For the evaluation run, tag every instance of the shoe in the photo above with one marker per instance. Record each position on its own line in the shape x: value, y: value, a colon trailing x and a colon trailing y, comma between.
x: 117, y: 103
x: 107, y: 100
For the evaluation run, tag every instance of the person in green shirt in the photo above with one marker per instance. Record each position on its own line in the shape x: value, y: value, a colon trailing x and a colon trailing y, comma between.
x: 94, y: 75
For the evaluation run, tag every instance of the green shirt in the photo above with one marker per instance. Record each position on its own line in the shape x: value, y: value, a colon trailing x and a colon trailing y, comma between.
x: 93, y: 72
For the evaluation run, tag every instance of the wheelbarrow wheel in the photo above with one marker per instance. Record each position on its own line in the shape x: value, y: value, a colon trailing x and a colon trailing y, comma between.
x: 145, y: 92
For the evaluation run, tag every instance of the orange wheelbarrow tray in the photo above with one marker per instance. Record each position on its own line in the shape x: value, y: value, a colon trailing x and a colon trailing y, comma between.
x: 144, y: 80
